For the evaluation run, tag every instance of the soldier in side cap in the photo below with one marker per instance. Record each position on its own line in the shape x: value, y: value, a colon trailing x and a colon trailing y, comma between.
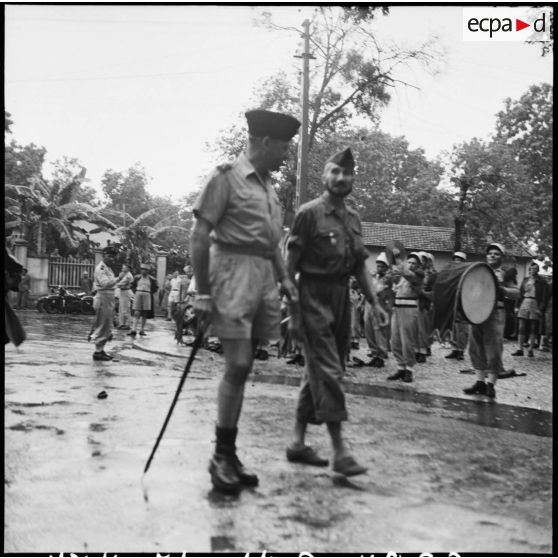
x: 325, y: 247
x: 238, y: 210
x: 104, y: 283
x: 486, y: 340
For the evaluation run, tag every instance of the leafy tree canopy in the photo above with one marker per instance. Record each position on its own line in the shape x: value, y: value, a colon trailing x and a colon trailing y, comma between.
x: 127, y: 191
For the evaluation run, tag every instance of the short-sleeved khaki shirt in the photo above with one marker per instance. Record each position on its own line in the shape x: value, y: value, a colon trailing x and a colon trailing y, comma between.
x: 104, y: 278
x: 242, y: 207
x: 329, y: 244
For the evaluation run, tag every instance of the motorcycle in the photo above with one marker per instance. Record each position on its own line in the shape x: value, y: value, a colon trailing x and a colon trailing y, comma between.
x: 65, y: 302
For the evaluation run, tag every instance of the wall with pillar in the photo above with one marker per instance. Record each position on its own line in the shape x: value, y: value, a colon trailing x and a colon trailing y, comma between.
x: 37, y: 267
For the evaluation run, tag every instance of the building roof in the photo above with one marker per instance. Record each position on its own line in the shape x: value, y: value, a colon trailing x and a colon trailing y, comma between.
x: 429, y: 239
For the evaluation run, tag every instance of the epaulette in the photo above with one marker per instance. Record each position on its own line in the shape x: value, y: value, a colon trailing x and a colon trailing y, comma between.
x: 224, y: 167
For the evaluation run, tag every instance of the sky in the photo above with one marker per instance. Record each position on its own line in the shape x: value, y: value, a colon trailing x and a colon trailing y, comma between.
x: 117, y: 85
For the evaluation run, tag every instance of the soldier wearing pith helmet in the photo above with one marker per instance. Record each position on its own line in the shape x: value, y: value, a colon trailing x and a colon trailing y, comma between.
x: 486, y: 340
x: 237, y: 264
x: 325, y: 248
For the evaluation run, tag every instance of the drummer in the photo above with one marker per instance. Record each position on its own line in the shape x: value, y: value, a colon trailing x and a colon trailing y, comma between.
x: 460, y: 336
x: 486, y: 341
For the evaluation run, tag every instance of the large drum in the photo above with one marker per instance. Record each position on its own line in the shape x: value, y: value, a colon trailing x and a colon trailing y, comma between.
x: 464, y: 290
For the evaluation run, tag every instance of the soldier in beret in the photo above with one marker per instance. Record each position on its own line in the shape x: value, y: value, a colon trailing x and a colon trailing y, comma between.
x: 325, y: 247
x: 103, y: 303
x: 237, y: 264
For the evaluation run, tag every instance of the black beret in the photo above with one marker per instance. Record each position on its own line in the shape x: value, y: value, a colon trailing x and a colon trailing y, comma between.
x: 343, y: 159
x: 264, y: 123
x: 110, y: 250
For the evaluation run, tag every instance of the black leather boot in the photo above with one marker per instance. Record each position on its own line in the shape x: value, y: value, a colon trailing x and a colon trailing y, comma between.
x: 226, y: 445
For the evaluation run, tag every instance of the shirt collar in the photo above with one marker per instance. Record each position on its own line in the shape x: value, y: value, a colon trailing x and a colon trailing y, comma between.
x: 246, y: 168
x: 330, y: 208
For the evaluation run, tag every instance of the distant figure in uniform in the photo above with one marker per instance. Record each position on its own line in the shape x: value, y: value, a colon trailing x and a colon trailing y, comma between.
x: 103, y: 303
x: 376, y: 336
x: 486, y: 341
x: 325, y: 247
x: 237, y: 264
x: 125, y: 280
x: 460, y: 325
x: 174, y: 294
x: 534, y: 296
x: 86, y: 283
x: 24, y: 288
x: 404, y: 320
x: 144, y: 286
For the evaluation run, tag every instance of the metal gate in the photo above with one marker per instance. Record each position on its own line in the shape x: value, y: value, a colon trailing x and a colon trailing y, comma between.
x: 67, y: 272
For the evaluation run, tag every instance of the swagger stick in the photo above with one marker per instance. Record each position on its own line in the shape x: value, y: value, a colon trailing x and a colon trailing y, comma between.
x: 197, y: 344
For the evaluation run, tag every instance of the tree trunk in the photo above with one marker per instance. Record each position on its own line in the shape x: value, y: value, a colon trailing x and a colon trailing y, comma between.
x: 460, y: 216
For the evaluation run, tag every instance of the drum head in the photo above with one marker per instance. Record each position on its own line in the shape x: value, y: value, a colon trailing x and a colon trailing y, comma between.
x: 477, y: 293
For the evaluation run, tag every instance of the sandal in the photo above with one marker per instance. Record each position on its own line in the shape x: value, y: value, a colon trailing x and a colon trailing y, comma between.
x: 348, y: 466
x: 306, y: 455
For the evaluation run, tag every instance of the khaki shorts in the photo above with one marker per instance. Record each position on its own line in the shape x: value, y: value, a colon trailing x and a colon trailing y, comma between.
x: 142, y: 301
x: 245, y: 297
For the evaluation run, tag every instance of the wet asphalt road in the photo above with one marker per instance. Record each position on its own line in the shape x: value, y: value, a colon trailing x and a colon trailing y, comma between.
x: 74, y: 462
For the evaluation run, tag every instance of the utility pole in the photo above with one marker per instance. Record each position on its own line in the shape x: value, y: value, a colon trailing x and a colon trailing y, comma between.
x: 302, y: 168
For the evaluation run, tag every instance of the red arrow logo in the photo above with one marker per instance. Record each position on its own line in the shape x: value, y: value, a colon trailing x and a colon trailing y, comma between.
x: 519, y: 25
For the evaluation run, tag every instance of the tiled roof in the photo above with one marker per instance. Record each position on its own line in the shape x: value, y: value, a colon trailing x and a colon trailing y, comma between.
x: 429, y: 239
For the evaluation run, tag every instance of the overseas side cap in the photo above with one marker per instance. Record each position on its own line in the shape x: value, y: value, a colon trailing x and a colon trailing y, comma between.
x: 344, y: 159
x: 265, y: 123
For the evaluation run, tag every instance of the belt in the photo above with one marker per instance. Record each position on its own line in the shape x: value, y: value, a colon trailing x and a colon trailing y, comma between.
x: 124, y: 288
x: 246, y: 250
x: 402, y: 302
x: 320, y: 277
x: 534, y: 297
x: 143, y: 291
x: 174, y: 290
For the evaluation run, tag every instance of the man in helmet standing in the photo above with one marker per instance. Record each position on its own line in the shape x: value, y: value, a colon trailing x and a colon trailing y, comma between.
x: 486, y: 340
x: 460, y: 327
x: 378, y: 336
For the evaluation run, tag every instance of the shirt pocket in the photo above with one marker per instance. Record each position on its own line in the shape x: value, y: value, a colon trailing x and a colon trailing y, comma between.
x: 330, y: 243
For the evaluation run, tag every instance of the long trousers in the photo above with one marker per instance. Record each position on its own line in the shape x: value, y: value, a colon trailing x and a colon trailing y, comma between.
x: 404, y: 336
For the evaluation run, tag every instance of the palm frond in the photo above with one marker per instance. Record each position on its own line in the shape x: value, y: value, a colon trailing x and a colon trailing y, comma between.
x: 115, y: 216
x: 65, y: 234
x: 170, y: 228
x: 150, y: 213
x: 68, y: 192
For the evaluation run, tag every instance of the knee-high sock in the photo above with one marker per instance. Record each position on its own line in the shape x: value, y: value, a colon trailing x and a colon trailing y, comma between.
x: 229, y: 403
